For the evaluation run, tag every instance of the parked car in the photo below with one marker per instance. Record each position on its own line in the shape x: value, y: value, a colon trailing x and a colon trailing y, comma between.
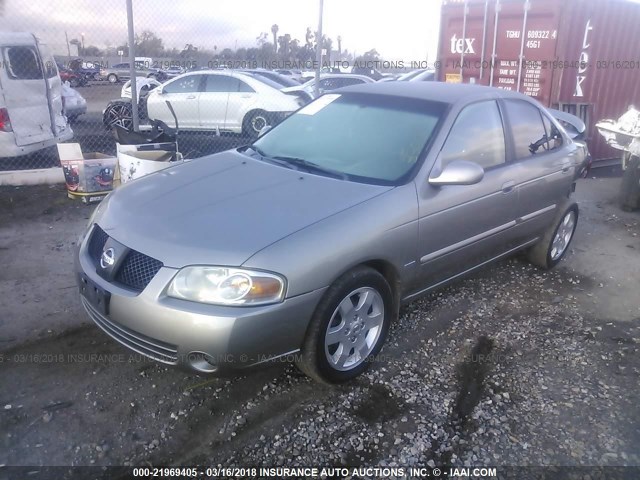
x: 174, y: 71
x: 304, y: 244
x: 89, y: 70
x: 119, y: 111
x: 31, y: 114
x: 74, y: 104
x: 294, y: 74
x: 329, y: 82
x: 420, y: 75
x: 282, y: 80
x: 218, y: 100
x: 372, y: 73
x: 120, y: 71
x: 74, y: 79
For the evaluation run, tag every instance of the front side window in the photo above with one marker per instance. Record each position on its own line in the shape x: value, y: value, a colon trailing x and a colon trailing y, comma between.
x: 476, y: 136
x: 23, y: 63
x: 553, y: 134
x: 369, y: 138
x: 529, y: 135
x: 188, y: 84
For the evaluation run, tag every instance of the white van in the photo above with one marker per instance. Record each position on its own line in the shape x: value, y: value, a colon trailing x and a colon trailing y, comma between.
x: 31, y: 113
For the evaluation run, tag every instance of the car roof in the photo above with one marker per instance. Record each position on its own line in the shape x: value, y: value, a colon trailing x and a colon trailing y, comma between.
x: 435, y: 91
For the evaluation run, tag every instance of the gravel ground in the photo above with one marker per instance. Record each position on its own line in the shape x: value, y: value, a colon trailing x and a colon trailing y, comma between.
x: 512, y: 366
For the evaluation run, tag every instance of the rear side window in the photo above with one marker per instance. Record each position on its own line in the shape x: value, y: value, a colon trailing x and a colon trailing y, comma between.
x: 188, y: 84
x: 225, y: 83
x: 476, y: 136
x: 529, y: 135
x: 22, y: 63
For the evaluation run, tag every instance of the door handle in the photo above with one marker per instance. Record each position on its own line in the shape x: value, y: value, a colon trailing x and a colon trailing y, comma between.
x: 245, y: 96
x: 191, y: 97
x: 566, y: 165
x: 507, y: 187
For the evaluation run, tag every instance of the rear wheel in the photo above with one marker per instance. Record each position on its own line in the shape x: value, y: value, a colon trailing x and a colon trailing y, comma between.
x: 555, y: 242
x: 348, y: 327
x: 254, y: 123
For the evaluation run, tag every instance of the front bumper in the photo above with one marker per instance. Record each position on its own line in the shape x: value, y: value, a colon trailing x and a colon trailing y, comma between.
x: 205, y: 338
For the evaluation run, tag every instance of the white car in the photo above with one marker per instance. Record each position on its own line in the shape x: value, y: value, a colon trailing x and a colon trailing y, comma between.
x: 218, y: 100
x: 329, y: 82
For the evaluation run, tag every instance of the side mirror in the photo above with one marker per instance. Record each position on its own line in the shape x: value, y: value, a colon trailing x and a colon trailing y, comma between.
x: 458, y: 172
x: 264, y: 130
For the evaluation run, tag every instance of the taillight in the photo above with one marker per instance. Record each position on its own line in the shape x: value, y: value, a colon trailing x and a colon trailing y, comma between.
x: 5, y: 121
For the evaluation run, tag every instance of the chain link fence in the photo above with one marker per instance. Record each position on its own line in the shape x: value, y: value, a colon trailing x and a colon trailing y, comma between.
x: 215, y: 72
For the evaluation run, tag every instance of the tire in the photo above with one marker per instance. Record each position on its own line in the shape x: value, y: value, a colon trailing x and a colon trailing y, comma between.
x: 74, y: 82
x: 113, y: 78
x: 254, y: 122
x: 362, y: 292
x: 119, y: 113
x: 548, y: 252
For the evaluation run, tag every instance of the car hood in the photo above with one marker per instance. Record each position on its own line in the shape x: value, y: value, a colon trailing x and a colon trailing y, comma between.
x: 222, y: 209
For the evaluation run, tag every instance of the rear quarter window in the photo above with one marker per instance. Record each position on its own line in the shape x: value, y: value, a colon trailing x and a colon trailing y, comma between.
x: 22, y: 63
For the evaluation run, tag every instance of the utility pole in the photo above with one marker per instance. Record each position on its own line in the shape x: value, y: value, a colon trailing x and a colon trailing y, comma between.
x: 319, y: 50
x: 132, y: 67
x: 66, y: 37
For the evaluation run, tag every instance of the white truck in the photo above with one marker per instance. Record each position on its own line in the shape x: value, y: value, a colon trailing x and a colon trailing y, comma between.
x: 31, y: 109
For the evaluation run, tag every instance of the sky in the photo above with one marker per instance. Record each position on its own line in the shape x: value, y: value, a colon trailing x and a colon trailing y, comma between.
x: 398, y: 29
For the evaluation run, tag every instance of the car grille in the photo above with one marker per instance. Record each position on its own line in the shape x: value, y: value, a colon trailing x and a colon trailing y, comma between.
x: 96, y: 244
x: 156, y: 349
x: 137, y: 269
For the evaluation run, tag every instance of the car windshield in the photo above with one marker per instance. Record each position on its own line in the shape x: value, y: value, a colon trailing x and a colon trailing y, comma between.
x: 362, y: 137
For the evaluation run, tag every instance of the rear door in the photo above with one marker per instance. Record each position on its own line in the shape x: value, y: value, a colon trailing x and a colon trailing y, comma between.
x: 241, y: 97
x: 214, y: 99
x: 25, y: 94
x: 543, y: 165
x: 54, y: 85
x: 462, y: 226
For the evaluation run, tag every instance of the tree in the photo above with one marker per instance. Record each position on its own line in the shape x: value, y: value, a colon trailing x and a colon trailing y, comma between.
x: 148, y: 44
x: 274, y: 31
x: 262, y: 39
x: 284, y: 42
x: 91, y: 51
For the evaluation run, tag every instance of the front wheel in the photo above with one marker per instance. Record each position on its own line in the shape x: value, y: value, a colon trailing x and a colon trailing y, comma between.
x: 348, y: 327
x: 113, y: 78
x: 555, y: 242
x: 119, y: 113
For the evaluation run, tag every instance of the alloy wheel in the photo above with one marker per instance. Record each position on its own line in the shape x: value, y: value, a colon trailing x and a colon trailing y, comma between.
x: 354, y: 329
x: 563, y: 235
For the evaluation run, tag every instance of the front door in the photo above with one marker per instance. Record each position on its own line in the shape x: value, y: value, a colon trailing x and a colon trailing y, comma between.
x: 183, y: 94
x: 462, y: 226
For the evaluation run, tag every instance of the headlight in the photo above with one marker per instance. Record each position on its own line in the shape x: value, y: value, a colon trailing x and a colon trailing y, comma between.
x: 226, y: 286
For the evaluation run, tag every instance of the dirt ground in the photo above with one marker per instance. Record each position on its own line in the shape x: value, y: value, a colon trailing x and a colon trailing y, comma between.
x: 512, y: 366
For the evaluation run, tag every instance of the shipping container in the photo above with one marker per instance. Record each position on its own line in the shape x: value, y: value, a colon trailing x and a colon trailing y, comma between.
x: 579, y: 56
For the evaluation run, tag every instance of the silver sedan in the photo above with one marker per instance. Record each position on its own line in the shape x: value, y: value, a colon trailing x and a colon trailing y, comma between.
x: 303, y: 245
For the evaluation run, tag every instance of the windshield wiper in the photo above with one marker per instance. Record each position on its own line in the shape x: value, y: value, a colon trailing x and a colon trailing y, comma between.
x: 311, y: 167
x: 267, y: 158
